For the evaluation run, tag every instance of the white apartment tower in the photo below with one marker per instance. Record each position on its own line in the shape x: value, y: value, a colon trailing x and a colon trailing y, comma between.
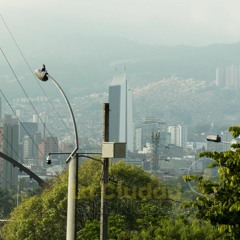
x: 178, y: 135
x: 220, y: 78
x: 232, y: 77
x: 120, y: 115
x: 228, y: 77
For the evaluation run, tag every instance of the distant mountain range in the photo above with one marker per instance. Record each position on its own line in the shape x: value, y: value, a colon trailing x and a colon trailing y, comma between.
x: 95, y: 61
x: 87, y: 65
x: 172, y: 82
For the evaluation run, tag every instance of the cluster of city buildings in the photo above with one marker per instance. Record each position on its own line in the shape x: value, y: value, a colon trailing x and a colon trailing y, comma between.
x: 156, y: 146
x: 24, y: 143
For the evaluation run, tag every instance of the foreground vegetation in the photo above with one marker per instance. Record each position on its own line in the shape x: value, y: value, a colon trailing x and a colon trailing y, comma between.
x: 140, y: 206
x: 219, y: 202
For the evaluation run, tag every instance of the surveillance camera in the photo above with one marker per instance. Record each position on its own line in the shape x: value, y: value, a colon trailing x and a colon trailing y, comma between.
x: 49, y: 161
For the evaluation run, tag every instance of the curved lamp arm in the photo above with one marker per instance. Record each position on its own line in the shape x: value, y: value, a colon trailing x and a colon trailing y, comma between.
x: 73, y: 118
x: 43, y: 76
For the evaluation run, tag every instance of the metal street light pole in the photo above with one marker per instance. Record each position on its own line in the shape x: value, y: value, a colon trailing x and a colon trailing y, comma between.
x: 73, y: 164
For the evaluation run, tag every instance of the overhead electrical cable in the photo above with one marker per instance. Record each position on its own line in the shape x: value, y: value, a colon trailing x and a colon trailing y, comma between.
x: 12, y: 186
x: 21, y: 122
x: 25, y: 131
x: 17, y: 46
x: 24, y: 58
x: 12, y: 149
x: 28, y: 100
x: 19, y: 157
x: 27, y: 95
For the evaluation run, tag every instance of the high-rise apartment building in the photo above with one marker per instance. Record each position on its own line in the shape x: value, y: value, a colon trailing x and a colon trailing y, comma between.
x: 30, y: 146
x: 51, y: 145
x: 220, y: 78
x: 120, y: 115
x: 178, y: 135
x: 10, y: 145
x: 145, y: 130
x: 228, y: 77
x: 232, y: 77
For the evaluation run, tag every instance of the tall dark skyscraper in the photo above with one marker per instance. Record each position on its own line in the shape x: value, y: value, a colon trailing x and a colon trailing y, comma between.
x: 120, y: 115
x: 10, y: 146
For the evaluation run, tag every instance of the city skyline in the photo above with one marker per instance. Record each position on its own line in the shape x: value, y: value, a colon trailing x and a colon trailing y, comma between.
x: 179, y: 86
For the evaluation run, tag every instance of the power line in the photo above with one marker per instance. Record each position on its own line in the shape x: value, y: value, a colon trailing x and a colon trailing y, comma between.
x: 25, y: 60
x: 30, y: 69
x: 26, y: 94
x: 21, y: 122
x: 19, y: 157
x: 25, y: 130
x: 13, y: 150
x: 12, y: 186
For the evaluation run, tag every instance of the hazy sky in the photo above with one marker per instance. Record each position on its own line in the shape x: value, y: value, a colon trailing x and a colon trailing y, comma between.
x: 172, y: 22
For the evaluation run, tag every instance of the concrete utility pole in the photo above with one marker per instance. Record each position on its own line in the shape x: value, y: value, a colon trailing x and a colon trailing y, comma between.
x: 72, y: 198
x: 105, y: 165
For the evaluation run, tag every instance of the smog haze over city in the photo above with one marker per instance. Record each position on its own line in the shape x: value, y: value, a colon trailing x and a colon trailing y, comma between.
x: 186, y: 22
x: 170, y: 71
x: 83, y: 44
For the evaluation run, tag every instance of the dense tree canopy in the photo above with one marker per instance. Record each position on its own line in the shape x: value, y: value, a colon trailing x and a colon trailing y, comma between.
x: 140, y: 207
x: 7, y: 203
x: 219, y: 202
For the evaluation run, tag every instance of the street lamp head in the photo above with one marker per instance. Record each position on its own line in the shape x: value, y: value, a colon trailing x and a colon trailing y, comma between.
x: 214, y: 138
x: 42, y: 73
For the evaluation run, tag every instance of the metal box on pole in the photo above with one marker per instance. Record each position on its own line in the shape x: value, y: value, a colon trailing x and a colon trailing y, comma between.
x: 113, y: 150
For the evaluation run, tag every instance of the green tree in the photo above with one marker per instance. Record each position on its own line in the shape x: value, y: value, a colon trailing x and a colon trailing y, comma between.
x: 185, y: 229
x: 7, y: 203
x: 43, y: 216
x: 219, y: 202
x: 181, y: 228
x: 139, y: 208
